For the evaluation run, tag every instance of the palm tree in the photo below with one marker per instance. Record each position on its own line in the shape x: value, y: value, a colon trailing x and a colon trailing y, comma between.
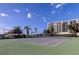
x: 44, y: 32
x: 47, y: 32
x: 35, y: 30
x: 32, y: 33
x: 73, y: 28
x: 51, y: 29
x: 17, y: 30
x: 27, y: 28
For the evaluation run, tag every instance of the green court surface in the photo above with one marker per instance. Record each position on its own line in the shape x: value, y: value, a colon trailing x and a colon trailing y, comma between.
x: 10, y: 47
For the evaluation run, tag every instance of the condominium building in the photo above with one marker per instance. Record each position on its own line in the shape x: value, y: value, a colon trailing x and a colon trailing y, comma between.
x: 62, y: 26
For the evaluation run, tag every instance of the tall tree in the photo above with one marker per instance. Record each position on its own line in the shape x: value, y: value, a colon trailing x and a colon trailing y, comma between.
x: 17, y: 30
x: 51, y: 29
x: 44, y: 32
x: 35, y: 30
x: 73, y: 28
x: 27, y: 28
x: 47, y: 32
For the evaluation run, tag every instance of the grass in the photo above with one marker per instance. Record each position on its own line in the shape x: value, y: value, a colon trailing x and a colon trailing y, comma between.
x: 10, y: 47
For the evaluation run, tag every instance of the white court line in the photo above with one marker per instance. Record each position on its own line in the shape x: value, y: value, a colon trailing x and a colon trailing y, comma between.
x: 49, y: 42
x: 58, y: 43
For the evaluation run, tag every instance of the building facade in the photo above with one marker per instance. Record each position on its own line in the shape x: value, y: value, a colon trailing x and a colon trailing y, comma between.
x: 62, y: 26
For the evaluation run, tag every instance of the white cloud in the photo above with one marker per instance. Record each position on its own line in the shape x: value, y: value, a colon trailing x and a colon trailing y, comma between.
x: 8, y: 28
x: 53, y: 12
x: 44, y: 19
x: 17, y: 10
x: 29, y: 15
x: 1, y: 31
x: 3, y: 14
x: 58, y: 8
x: 59, y: 5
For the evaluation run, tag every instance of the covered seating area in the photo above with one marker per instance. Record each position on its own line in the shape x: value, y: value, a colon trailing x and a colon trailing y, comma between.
x: 66, y: 34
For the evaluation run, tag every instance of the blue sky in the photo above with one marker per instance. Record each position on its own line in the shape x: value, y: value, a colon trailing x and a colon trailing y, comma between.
x: 36, y: 14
